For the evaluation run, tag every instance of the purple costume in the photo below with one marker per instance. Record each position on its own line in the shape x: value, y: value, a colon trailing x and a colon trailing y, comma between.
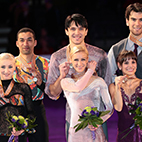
x: 125, y: 119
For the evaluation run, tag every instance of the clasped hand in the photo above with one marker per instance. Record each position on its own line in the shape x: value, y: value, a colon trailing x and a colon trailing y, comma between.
x: 120, y: 79
x: 92, y: 65
x: 16, y: 133
x: 64, y: 69
x: 92, y: 128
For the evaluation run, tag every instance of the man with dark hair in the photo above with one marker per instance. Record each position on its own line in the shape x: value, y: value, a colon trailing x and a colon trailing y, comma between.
x: 76, y: 28
x: 33, y: 70
x: 133, y: 16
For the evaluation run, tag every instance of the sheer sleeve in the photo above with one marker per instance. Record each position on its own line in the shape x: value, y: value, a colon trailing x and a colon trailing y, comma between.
x: 53, y: 75
x: 106, y: 100
x: 72, y: 86
x: 104, y: 70
x: 29, y: 105
x: 28, y: 100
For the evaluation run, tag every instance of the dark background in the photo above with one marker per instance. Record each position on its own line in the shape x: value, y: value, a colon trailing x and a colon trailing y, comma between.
x: 46, y: 17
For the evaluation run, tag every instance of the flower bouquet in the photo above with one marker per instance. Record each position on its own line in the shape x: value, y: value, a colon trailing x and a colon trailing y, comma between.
x: 90, y: 116
x: 137, y: 110
x: 20, y: 123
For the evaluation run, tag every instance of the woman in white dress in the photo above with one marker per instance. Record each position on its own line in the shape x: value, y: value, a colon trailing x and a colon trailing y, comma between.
x: 85, y: 88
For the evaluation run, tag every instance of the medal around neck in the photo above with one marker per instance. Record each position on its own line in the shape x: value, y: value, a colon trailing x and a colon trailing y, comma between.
x: 35, y: 79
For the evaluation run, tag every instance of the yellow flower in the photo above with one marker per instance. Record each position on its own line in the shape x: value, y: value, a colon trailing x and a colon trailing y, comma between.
x: 14, y: 118
x: 21, y: 119
x: 88, y: 109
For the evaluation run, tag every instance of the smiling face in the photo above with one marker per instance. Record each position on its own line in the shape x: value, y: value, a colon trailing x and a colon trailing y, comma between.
x: 128, y: 67
x: 79, y: 61
x: 76, y: 34
x: 7, y: 67
x: 26, y: 43
x: 135, y: 23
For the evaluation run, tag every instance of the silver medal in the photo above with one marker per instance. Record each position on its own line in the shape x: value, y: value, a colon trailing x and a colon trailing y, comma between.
x: 35, y: 79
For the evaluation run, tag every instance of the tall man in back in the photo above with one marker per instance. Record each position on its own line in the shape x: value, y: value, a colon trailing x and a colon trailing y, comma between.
x: 133, y: 16
x: 33, y: 70
x: 76, y: 28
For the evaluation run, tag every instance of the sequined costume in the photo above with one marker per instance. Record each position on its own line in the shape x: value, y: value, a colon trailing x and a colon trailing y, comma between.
x: 125, y: 119
x: 24, y: 75
x: 18, y: 102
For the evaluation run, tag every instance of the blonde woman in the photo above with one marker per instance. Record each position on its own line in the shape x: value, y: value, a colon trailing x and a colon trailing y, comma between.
x: 84, y: 89
x: 14, y: 97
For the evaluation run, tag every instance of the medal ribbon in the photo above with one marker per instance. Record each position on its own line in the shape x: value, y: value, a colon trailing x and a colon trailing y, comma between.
x: 25, y: 64
x: 8, y: 90
x: 28, y: 66
x: 132, y: 38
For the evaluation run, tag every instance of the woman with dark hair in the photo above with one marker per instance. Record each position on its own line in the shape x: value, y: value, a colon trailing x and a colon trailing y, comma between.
x: 124, y: 91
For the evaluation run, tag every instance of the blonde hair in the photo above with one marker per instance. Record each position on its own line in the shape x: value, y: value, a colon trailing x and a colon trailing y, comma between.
x: 9, y: 56
x: 78, y: 48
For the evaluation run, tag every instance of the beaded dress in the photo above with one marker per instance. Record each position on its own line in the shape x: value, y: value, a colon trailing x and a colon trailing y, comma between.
x: 125, y: 119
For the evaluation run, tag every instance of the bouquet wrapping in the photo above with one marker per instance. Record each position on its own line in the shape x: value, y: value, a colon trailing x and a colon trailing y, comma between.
x: 20, y: 123
x: 90, y: 116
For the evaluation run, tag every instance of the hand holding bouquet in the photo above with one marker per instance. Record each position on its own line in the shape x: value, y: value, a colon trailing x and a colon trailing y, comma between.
x: 19, y: 125
x: 90, y: 116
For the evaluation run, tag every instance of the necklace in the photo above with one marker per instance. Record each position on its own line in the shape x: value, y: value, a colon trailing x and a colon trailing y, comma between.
x: 8, y: 90
x: 78, y: 75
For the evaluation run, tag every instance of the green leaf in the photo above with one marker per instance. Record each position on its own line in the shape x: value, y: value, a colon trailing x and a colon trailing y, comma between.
x: 94, y: 124
x: 94, y: 108
x: 85, y: 124
x: 76, y: 125
x: 100, y: 122
x: 140, y: 125
x: 138, y: 111
x: 79, y: 126
x: 82, y: 119
x: 89, y: 114
x: 138, y: 100
x: 104, y: 113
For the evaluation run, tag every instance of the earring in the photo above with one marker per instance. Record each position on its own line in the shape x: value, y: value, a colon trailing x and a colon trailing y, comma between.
x: 119, y: 68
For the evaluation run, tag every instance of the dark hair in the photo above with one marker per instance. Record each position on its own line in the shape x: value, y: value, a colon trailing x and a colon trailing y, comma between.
x: 25, y: 30
x: 136, y: 7
x: 78, y: 19
x: 124, y: 55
